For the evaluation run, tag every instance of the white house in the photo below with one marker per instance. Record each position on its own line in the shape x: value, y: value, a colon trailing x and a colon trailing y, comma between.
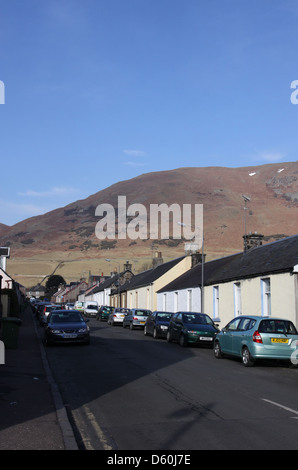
x: 260, y: 281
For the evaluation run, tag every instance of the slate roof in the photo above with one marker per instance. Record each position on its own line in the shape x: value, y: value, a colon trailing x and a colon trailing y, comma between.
x: 148, y: 277
x: 272, y: 258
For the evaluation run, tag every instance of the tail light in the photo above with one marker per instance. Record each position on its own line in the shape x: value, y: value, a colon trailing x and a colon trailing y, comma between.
x: 256, y: 337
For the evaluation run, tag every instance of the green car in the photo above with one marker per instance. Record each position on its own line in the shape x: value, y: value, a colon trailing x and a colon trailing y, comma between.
x: 256, y: 337
x: 104, y: 313
x: 191, y: 328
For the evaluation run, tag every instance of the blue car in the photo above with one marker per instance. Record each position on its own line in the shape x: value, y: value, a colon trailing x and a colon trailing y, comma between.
x: 256, y: 337
x: 157, y: 324
x: 66, y: 326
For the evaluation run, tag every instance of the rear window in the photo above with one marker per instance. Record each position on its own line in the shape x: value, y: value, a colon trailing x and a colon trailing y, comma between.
x: 143, y: 313
x: 277, y: 326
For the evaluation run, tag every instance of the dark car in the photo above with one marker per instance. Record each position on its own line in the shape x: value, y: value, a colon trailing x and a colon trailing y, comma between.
x: 66, y: 326
x: 192, y: 328
x: 104, y: 312
x: 157, y: 324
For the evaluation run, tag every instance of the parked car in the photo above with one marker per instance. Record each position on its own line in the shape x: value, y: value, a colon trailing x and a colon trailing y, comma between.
x: 69, y: 306
x: 79, y: 306
x: 90, y: 308
x: 117, y: 316
x: 39, y: 308
x: 257, y: 337
x: 66, y: 326
x: 136, y: 318
x: 104, y: 312
x: 45, y: 311
x: 192, y: 328
x: 157, y: 324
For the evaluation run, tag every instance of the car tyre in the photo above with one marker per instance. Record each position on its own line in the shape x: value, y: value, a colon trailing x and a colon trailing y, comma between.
x: 182, y: 341
x: 217, y: 350
x: 155, y: 334
x: 131, y: 326
x: 169, y: 338
x: 247, y: 360
x: 145, y: 331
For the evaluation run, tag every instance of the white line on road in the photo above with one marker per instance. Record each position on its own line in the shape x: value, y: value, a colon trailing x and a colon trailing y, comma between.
x: 281, y: 406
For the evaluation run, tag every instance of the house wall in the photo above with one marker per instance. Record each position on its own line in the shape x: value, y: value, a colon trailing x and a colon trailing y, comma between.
x: 146, y: 297
x: 252, y: 298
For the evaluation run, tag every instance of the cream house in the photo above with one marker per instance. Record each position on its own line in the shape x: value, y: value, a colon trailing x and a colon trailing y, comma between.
x: 140, y: 290
x: 260, y: 281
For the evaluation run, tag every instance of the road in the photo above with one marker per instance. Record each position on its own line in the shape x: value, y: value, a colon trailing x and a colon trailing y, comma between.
x: 127, y: 391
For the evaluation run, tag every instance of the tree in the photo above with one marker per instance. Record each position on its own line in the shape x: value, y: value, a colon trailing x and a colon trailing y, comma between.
x: 54, y: 282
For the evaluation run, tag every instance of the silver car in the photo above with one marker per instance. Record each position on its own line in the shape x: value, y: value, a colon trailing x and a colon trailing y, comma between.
x: 136, y: 318
x: 118, y: 315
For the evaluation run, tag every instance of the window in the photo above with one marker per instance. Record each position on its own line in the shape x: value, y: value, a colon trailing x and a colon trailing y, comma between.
x: 189, y: 300
x: 266, y: 297
x: 237, y: 299
x: 215, y: 301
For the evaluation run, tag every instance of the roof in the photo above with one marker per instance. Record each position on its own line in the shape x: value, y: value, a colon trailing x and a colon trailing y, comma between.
x: 148, y: 277
x: 110, y: 281
x: 275, y: 257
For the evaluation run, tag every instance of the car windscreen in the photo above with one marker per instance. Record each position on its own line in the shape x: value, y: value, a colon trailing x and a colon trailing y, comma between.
x: 62, y: 318
x: 91, y: 307
x: 277, y: 326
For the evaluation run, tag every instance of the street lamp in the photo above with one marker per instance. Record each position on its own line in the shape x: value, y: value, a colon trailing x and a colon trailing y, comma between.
x: 202, y: 272
x: 118, y: 289
x: 246, y: 200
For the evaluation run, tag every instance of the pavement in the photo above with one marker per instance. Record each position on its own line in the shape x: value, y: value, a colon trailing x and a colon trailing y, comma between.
x: 32, y: 413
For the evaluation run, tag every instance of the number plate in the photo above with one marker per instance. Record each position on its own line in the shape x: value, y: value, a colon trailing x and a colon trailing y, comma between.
x: 279, y: 340
x: 69, y: 335
x: 206, y: 338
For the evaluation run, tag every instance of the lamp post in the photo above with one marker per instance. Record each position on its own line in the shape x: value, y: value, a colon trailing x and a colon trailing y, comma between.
x: 202, y: 265
x: 118, y: 288
x: 246, y: 200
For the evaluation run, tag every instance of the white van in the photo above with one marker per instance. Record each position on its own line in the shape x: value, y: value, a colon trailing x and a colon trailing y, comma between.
x: 79, y: 306
x: 90, y: 308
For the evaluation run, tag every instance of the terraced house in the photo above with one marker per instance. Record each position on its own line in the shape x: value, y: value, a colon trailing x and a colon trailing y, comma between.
x: 259, y: 281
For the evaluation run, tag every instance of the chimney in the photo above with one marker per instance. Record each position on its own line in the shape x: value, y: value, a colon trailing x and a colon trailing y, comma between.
x: 157, y: 260
x: 252, y: 240
x: 127, y: 266
x: 196, y: 258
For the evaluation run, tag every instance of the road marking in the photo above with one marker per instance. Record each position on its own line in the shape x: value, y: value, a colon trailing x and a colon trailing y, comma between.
x: 97, y: 428
x: 282, y: 406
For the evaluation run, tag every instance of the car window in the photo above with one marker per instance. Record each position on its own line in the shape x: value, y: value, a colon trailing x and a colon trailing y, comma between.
x: 246, y: 324
x: 233, y: 325
x: 277, y: 326
x: 163, y: 316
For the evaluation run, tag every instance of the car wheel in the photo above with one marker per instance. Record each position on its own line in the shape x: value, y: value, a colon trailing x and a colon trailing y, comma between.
x: 182, y: 340
x: 123, y: 325
x: 155, y: 335
x: 217, y: 350
x: 247, y: 360
x: 169, y: 337
x: 131, y: 326
x: 145, y: 331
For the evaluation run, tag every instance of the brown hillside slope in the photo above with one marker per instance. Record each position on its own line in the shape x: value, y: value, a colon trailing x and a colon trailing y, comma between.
x: 67, y: 234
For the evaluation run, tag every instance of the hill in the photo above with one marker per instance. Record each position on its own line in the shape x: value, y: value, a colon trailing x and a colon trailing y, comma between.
x: 67, y: 234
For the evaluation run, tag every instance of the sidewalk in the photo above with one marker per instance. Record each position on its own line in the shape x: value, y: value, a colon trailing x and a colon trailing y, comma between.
x: 32, y: 415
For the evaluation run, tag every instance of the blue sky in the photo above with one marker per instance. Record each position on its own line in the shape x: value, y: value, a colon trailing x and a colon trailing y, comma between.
x: 99, y: 91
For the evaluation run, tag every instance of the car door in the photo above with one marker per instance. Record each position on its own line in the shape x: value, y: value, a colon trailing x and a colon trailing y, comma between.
x: 240, y: 335
x: 227, y: 334
x: 177, y: 326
